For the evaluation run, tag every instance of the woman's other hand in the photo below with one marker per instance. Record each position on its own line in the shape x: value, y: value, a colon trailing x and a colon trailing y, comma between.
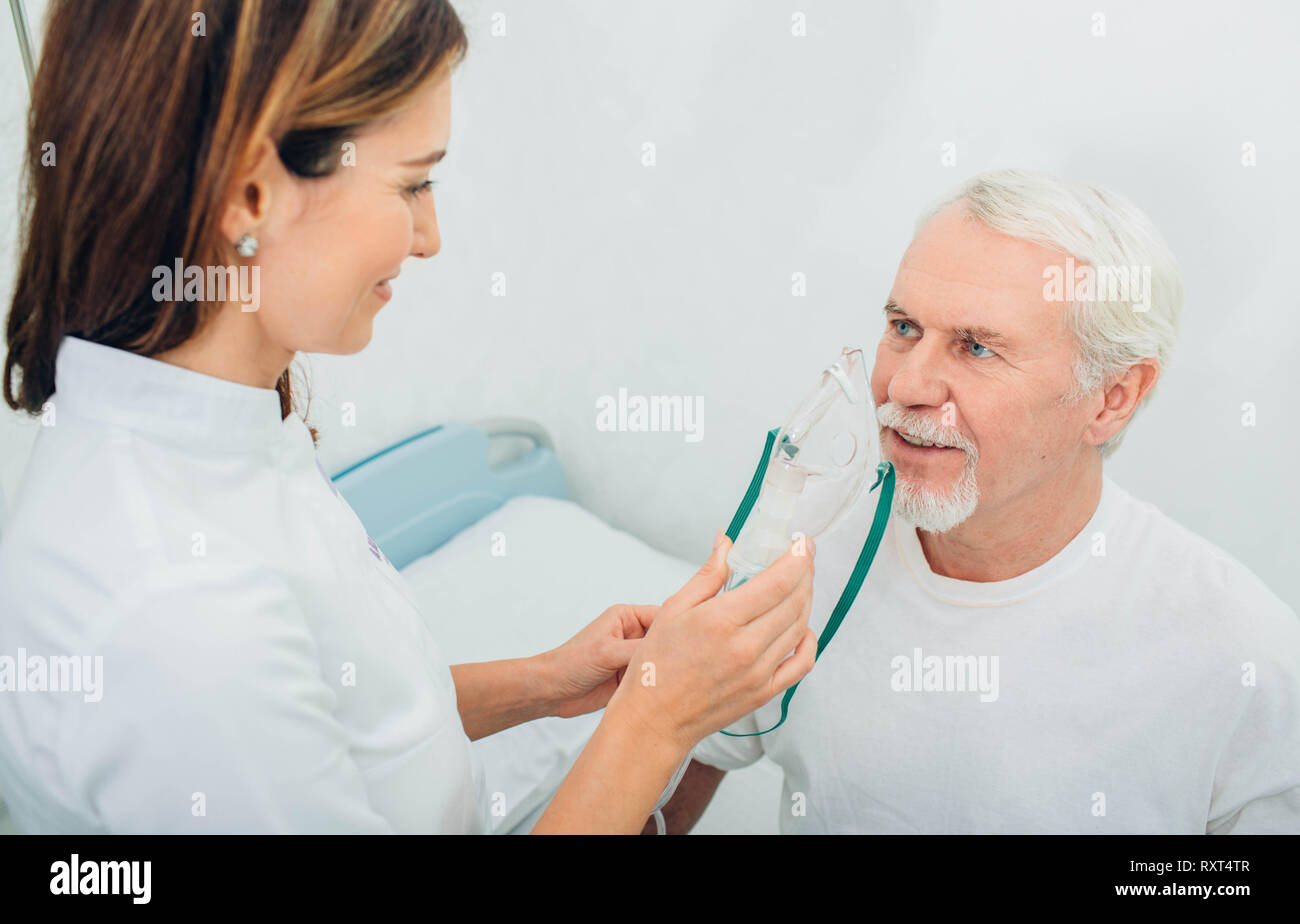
x: 583, y: 673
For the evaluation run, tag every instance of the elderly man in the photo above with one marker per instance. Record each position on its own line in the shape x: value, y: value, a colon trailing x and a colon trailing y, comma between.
x: 1034, y: 650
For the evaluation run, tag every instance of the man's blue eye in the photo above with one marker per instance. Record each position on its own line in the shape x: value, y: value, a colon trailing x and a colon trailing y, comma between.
x: 975, y: 346
x: 899, y: 330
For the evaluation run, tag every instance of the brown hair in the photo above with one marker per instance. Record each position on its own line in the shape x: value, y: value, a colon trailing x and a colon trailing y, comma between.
x: 148, y: 107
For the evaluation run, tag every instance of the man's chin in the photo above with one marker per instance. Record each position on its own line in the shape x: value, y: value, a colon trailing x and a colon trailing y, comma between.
x: 933, y: 510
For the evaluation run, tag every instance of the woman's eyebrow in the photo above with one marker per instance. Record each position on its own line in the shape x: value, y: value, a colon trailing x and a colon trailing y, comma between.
x: 427, y: 160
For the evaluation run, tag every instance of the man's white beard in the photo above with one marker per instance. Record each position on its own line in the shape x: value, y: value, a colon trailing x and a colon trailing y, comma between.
x: 925, y: 508
x: 935, y: 511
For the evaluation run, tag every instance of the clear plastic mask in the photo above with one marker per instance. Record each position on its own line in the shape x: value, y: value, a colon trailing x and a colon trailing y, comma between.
x: 820, y: 465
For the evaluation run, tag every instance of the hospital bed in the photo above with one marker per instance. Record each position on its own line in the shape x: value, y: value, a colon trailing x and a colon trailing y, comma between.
x: 505, y: 565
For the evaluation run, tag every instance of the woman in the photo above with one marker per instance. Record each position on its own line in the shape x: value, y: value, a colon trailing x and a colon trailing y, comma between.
x: 249, y: 660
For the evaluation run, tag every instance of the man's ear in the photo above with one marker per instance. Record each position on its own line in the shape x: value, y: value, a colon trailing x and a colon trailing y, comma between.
x: 250, y: 202
x: 1121, y: 399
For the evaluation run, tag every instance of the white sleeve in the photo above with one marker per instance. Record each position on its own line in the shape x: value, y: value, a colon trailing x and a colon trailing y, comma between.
x: 728, y: 753
x: 1257, y: 783
x: 214, y: 715
x: 1279, y: 814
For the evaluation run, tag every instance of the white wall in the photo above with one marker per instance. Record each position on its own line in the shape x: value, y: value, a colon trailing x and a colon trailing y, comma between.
x: 778, y: 154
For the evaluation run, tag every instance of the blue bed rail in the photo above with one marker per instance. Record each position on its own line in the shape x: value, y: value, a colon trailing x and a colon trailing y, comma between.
x: 418, y: 493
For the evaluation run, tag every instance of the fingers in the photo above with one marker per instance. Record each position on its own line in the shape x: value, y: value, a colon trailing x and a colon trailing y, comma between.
x: 706, y: 582
x: 775, y: 634
x: 765, y: 628
x: 796, y: 667
x: 764, y: 591
x: 636, y: 618
x: 615, y: 654
x: 786, y: 641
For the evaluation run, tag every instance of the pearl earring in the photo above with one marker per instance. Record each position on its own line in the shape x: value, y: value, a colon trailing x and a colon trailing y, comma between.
x: 246, y: 246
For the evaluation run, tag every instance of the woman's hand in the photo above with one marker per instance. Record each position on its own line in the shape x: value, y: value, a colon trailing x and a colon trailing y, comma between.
x: 710, y: 659
x: 705, y: 661
x: 583, y: 673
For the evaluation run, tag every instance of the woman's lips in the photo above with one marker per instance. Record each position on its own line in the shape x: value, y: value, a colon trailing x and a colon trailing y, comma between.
x: 384, y: 290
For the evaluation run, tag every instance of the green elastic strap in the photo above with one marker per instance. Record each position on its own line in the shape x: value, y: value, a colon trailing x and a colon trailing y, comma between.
x: 885, y: 474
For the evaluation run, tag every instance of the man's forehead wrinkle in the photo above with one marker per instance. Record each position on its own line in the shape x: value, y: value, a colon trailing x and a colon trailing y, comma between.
x: 976, y: 297
x: 1025, y: 266
x: 974, y: 249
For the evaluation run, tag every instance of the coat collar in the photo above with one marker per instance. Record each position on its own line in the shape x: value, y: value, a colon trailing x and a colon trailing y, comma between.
x: 174, y: 404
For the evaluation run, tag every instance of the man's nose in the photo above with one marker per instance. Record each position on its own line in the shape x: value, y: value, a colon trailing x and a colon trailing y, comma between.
x: 920, y: 380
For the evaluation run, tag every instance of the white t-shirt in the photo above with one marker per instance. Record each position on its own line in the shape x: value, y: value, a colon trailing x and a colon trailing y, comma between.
x: 1140, y: 681
x: 264, y: 667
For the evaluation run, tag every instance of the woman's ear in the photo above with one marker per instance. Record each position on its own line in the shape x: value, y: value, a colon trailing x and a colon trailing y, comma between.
x: 249, y: 205
x: 1122, y: 398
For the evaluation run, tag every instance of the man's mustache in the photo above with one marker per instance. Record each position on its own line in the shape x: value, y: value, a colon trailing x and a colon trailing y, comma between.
x: 922, y: 427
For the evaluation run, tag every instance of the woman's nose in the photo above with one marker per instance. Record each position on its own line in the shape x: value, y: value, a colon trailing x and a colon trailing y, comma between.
x: 428, y: 239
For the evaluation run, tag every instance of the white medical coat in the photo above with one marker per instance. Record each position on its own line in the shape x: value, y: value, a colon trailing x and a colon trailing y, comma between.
x: 263, y: 666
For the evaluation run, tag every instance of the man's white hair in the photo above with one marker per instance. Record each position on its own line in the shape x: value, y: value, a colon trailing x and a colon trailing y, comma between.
x: 1099, y: 228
